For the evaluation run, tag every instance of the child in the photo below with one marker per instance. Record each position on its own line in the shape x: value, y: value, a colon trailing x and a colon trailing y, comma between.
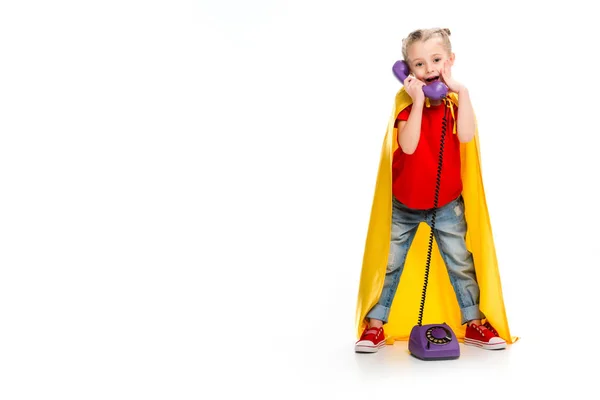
x: 429, y: 56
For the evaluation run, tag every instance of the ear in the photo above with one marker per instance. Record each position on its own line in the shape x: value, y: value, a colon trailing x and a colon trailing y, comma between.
x: 452, y: 59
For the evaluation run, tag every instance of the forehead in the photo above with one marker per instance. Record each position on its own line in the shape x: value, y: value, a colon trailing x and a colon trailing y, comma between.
x: 424, y: 49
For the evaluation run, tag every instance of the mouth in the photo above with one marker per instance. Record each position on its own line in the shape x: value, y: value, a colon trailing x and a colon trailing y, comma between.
x: 432, y: 79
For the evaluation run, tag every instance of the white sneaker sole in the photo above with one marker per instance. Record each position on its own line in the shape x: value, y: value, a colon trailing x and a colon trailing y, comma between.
x: 365, y: 347
x: 486, y: 346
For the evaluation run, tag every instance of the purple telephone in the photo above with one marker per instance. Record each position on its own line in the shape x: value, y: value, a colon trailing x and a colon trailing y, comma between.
x: 435, y: 90
x: 433, y: 341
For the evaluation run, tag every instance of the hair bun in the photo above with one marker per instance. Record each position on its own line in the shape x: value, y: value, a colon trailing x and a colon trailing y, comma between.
x: 447, y: 31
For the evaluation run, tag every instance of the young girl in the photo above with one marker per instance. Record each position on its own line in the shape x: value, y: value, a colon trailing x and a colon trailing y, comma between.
x: 429, y: 56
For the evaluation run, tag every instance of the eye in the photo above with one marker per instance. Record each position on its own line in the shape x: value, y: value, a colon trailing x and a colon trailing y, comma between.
x: 418, y: 64
x: 437, y: 59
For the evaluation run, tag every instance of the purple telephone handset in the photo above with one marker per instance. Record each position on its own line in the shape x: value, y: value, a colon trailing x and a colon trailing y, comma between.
x: 435, y: 91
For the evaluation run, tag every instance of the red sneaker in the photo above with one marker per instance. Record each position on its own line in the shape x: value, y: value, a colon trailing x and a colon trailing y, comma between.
x: 491, y: 328
x: 370, y: 341
x: 480, y: 336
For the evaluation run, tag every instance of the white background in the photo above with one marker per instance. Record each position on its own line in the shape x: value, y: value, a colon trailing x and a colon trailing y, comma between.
x: 185, y: 189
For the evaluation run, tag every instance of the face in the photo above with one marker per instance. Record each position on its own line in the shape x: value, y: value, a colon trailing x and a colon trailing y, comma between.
x: 426, y: 59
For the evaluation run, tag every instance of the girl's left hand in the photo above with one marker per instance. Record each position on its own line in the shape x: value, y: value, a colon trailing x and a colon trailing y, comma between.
x: 453, y: 85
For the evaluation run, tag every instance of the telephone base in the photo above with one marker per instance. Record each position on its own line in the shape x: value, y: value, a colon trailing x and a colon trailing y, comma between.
x: 433, y: 342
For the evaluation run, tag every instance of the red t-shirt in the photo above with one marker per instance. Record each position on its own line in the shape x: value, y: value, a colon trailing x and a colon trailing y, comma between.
x: 414, y: 175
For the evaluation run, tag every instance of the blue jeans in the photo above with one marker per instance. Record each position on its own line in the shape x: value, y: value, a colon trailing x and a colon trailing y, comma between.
x: 450, y: 231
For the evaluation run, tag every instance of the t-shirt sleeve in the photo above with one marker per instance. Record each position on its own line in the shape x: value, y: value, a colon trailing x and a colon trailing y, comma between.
x: 403, y: 116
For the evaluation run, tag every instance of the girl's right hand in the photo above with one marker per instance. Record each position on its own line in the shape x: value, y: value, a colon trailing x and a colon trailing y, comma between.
x: 414, y: 88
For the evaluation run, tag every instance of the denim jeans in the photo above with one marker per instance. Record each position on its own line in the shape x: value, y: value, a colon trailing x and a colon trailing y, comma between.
x: 450, y: 231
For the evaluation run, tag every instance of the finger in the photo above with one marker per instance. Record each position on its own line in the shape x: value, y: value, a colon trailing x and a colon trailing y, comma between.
x: 446, y: 73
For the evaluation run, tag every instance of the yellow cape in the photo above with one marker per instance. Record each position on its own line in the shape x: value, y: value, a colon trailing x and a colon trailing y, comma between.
x: 441, y: 304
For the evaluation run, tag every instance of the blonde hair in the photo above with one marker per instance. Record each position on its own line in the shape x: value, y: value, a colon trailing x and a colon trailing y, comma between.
x: 424, y: 35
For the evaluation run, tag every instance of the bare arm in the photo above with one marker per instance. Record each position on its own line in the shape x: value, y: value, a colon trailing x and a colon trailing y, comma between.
x: 465, y: 120
x: 409, y: 131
